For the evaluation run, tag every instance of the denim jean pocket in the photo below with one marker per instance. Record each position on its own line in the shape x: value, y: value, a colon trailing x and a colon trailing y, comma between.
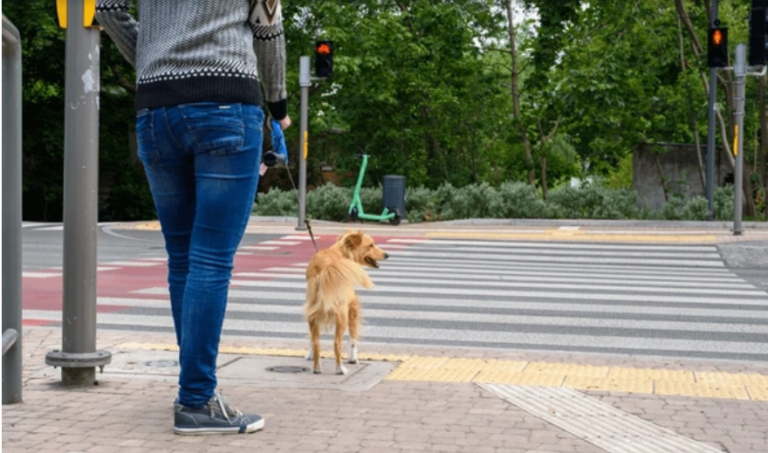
x: 148, y: 152
x: 215, y: 128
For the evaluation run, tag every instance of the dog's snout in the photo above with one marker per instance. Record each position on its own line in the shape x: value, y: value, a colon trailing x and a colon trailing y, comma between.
x: 386, y: 255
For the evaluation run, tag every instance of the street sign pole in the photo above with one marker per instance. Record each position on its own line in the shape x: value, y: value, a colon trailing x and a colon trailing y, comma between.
x: 710, y: 189
x: 304, y: 82
x: 740, y: 71
x: 78, y: 357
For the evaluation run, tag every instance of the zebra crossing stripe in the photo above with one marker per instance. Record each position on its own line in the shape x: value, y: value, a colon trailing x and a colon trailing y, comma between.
x: 298, y: 274
x: 541, y: 340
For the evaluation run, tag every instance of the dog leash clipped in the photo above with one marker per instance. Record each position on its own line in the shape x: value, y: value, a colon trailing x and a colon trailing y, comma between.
x: 312, y: 236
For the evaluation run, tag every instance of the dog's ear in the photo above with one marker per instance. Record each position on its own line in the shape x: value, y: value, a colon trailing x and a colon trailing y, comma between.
x: 353, y: 241
x: 343, y: 235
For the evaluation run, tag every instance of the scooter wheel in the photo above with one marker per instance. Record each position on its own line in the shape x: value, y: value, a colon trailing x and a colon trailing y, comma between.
x: 394, y: 220
x: 352, y: 215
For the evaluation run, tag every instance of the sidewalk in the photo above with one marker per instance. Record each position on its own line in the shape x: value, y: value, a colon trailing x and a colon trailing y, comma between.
x: 398, y: 400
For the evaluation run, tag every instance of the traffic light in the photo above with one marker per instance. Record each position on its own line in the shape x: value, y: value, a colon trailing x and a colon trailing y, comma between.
x: 717, y: 47
x: 758, y: 33
x: 324, y: 58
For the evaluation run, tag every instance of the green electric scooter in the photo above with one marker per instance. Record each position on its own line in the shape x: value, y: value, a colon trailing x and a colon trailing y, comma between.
x: 356, y: 207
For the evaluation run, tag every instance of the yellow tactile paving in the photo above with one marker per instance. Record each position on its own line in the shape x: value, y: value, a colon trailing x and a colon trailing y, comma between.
x: 702, y: 384
x: 614, y: 385
x: 500, y: 377
x: 738, y: 392
x: 719, y: 378
x: 568, y: 369
x: 431, y: 375
x: 507, y: 366
x: 757, y: 393
x: 426, y: 363
x: 652, y: 374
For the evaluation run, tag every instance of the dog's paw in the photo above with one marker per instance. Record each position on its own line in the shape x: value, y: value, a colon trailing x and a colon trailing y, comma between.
x: 317, y: 372
x: 309, y: 356
x: 341, y: 370
x: 352, y: 361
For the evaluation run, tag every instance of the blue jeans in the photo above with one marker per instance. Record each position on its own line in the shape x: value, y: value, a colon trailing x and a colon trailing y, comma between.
x: 202, y: 162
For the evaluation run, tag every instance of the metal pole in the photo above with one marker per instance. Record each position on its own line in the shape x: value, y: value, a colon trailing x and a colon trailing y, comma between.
x: 740, y: 71
x: 711, y: 127
x: 11, y: 210
x: 78, y: 357
x: 304, y: 82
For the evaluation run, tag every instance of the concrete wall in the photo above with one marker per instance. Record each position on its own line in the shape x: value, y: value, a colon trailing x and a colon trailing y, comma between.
x: 677, y: 162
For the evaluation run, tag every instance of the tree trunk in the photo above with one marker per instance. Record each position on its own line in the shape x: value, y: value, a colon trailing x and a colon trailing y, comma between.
x: 516, y: 94
x: 544, y: 191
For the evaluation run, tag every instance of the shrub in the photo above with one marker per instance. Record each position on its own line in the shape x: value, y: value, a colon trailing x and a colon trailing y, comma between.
x: 723, y: 203
x: 697, y: 208
x: 520, y: 200
x: 329, y: 202
x: 276, y: 203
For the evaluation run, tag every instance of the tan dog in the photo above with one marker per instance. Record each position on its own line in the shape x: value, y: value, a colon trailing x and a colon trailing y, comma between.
x: 331, y: 300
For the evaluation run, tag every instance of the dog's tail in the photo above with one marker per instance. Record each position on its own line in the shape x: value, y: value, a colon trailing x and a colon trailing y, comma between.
x: 333, y: 288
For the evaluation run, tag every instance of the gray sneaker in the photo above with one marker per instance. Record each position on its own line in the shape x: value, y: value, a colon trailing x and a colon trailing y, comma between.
x: 216, y: 417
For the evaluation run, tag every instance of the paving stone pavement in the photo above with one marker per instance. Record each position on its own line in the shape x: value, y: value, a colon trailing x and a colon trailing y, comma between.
x: 133, y: 414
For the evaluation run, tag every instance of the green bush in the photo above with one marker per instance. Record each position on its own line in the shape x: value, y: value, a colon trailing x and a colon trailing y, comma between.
x: 723, y: 203
x: 520, y: 200
x: 594, y: 202
x: 418, y: 204
x: 329, y: 202
x: 276, y: 203
x: 697, y: 208
x: 511, y: 200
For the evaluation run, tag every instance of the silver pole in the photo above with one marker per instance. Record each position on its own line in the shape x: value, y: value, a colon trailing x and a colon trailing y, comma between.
x: 11, y: 211
x: 78, y: 357
x: 304, y: 82
x: 711, y: 128
x: 740, y: 71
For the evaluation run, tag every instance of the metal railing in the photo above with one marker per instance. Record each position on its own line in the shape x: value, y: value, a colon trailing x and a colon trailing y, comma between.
x: 11, y: 210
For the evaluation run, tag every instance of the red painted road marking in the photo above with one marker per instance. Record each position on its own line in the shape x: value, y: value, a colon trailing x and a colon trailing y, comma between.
x: 46, y: 293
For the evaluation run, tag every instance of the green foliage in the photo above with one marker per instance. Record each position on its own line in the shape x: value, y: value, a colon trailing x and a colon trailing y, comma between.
x: 277, y: 203
x: 593, y: 201
x: 621, y: 176
x: 697, y: 208
x: 723, y: 203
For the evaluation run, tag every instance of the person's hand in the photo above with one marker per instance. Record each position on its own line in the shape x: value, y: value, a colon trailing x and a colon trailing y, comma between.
x: 285, y: 123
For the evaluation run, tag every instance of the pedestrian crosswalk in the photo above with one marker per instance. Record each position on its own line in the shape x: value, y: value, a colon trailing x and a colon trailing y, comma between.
x: 652, y: 300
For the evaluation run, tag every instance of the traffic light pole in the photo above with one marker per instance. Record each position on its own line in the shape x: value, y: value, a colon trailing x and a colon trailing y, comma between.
x: 710, y: 189
x: 78, y: 357
x: 740, y: 71
x: 304, y: 82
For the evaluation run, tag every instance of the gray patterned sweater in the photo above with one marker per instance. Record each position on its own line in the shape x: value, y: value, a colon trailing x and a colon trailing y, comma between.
x: 201, y: 50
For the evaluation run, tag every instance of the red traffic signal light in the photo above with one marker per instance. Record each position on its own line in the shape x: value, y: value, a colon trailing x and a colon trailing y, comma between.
x: 717, y: 47
x: 717, y: 37
x: 323, y: 49
x: 323, y: 58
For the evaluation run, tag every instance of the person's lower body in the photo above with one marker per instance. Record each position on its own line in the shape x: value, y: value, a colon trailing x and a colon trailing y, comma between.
x: 202, y: 163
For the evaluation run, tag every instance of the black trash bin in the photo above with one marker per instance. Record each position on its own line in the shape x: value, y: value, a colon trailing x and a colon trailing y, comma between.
x: 394, y: 194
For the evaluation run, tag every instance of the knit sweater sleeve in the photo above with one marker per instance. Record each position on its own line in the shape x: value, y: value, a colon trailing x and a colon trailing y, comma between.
x: 114, y: 17
x: 266, y: 20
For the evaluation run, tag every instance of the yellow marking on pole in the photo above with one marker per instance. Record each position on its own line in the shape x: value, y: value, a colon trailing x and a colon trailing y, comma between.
x: 306, y: 144
x: 736, y: 140
x: 61, y: 11
x: 89, y: 12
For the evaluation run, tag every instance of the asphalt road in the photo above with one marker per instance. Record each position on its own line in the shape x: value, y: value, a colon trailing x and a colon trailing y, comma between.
x: 628, y: 299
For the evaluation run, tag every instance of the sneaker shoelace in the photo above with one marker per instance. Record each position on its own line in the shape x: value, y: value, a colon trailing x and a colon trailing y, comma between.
x: 224, y: 407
